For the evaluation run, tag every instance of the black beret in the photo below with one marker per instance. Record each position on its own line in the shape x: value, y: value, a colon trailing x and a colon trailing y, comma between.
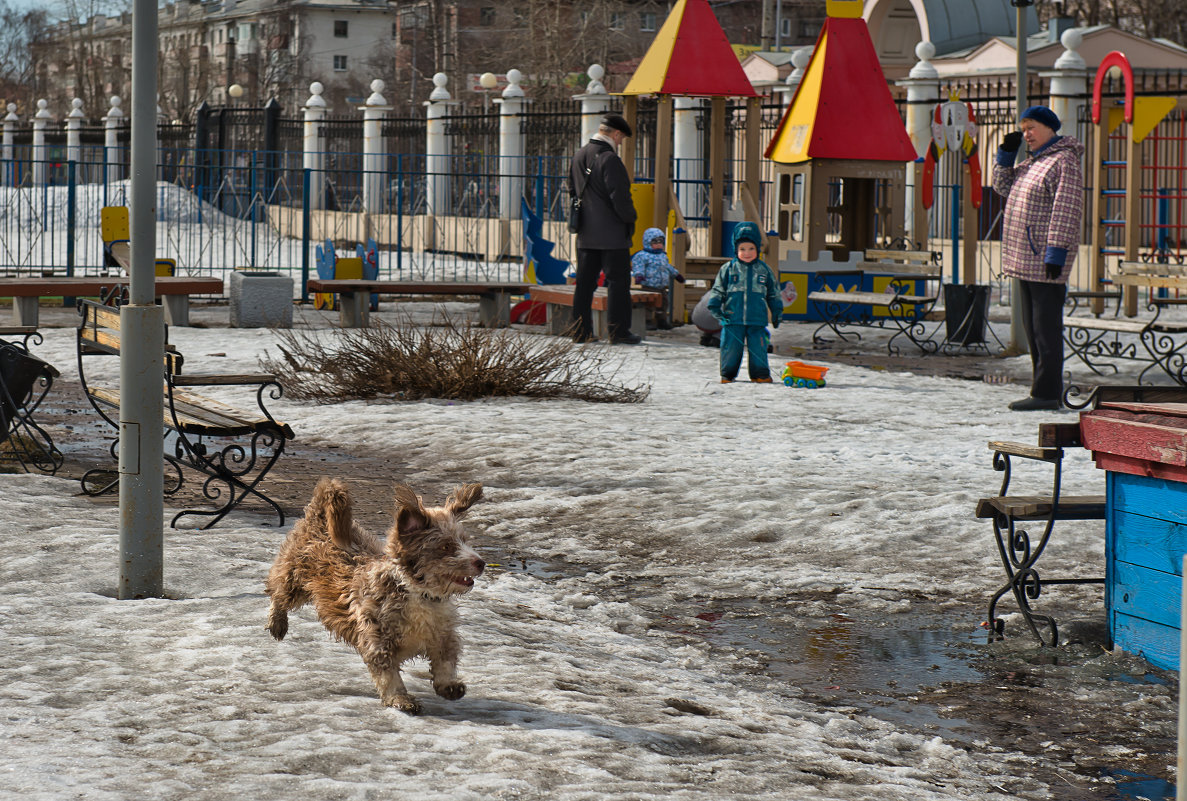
x: 618, y: 123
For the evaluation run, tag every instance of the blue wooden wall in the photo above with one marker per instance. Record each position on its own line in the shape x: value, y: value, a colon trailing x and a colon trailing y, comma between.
x: 1146, y: 537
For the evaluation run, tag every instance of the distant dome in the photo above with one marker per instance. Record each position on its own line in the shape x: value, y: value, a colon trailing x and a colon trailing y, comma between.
x: 896, y: 26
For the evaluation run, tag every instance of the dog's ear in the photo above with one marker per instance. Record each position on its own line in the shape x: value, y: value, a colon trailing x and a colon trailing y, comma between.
x: 410, y: 514
x: 462, y: 498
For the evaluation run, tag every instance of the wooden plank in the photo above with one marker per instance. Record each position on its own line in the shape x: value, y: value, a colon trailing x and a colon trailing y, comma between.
x: 1142, y: 540
x: 1038, y: 507
x: 1146, y: 593
x: 1152, y: 438
x: 907, y: 256
x: 915, y: 271
x: 1157, y: 644
x: 1042, y: 454
x: 1149, y: 496
x: 1168, y: 281
x: 1060, y: 435
x: 562, y: 295
x: 200, y: 380
x: 418, y: 287
x: 1140, y: 268
x: 853, y: 298
x: 33, y: 287
x: 1106, y: 324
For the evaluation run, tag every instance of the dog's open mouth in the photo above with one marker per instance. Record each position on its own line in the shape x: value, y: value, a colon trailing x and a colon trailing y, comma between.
x: 465, y: 581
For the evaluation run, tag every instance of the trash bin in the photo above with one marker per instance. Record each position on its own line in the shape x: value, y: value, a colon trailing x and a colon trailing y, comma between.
x: 966, y: 313
x: 19, y: 372
x: 261, y: 300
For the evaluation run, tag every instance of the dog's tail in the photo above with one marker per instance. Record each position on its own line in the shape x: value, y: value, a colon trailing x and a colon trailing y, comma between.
x: 332, y: 504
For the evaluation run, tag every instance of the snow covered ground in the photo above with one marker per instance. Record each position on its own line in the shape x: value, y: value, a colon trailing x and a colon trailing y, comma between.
x: 857, y: 496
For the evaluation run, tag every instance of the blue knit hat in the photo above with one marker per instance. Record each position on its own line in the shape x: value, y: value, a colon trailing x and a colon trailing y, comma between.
x: 1042, y: 114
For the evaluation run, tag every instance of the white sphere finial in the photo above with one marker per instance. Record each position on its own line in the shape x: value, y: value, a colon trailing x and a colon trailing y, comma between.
x: 315, y: 100
x: 440, y: 93
x: 377, y: 99
x: 377, y: 85
x: 800, y: 59
x: 925, y: 52
x: 115, y: 101
x: 1071, y: 58
x: 316, y: 88
x: 513, y: 89
x: 595, y: 87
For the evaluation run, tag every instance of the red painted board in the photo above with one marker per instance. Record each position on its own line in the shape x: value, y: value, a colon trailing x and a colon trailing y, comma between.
x: 1155, y: 438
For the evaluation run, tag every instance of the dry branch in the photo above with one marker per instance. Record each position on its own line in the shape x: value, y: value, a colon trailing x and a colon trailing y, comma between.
x: 457, y: 362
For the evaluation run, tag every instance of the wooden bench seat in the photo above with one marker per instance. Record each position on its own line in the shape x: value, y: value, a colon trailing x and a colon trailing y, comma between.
x: 175, y: 292
x: 1012, y: 515
x: 233, y: 448
x: 494, y: 297
x: 1149, y: 338
x: 899, y: 305
x: 558, y: 302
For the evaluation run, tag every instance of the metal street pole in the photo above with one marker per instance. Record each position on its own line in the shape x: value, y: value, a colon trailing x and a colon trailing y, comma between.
x: 142, y: 325
x: 1017, y: 333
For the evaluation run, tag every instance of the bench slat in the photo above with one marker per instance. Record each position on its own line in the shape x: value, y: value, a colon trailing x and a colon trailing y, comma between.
x: 868, y: 298
x: 1038, y: 507
x: 199, y: 380
x: 1106, y: 324
x: 1044, y: 454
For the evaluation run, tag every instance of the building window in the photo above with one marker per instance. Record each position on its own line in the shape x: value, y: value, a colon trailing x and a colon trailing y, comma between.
x: 339, y: 63
x: 647, y: 21
x: 785, y: 28
x: 486, y: 16
x: 810, y: 30
x: 617, y: 21
x: 395, y: 30
x: 340, y: 27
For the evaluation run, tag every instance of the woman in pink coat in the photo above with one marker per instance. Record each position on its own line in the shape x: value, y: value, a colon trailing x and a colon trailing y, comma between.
x: 1040, y: 235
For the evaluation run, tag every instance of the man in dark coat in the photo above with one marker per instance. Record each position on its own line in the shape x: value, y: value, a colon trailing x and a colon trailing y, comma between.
x: 607, y: 222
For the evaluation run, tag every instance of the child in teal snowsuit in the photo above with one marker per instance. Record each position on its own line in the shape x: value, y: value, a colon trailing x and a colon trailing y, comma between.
x: 745, y: 292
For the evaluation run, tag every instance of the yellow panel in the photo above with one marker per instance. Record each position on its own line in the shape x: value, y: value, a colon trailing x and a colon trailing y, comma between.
x: 879, y: 283
x: 794, y: 292
x: 653, y: 69
x: 643, y: 196
x: 113, y: 223
x: 1148, y: 112
x: 349, y: 268
x: 796, y: 132
x: 844, y: 9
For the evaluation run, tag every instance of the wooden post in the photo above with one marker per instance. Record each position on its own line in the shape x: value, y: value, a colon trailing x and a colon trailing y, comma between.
x: 630, y: 112
x: 1133, y: 212
x: 968, y: 253
x: 663, y: 161
x: 716, y: 174
x: 753, y: 155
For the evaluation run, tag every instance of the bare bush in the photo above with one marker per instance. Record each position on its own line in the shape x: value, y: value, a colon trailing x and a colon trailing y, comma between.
x: 410, y: 362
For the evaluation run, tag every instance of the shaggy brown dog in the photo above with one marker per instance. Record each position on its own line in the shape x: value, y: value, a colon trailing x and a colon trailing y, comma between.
x: 391, y: 600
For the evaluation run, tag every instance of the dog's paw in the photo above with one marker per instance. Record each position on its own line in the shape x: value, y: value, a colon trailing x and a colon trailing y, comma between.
x: 404, y: 703
x: 451, y: 691
x: 279, y: 626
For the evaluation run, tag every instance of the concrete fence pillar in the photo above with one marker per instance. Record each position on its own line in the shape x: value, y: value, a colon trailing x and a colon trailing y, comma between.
x: 74, y: 131
x: 923, y: 93
x: 112, y: 157
x: 40, y: 120
x: 374, y: 149
x: 7, y: 150
x: 314, y: 145
x: 437, y: 148
x: 688, y: 154
x: 1069, y: 84
x: 594, y: 103
x: 511, y: 146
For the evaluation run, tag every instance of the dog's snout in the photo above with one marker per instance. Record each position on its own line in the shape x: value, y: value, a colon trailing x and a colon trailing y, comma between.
x: 479, y: 566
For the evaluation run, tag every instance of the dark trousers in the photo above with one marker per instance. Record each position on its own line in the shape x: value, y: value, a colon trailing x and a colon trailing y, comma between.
x: 1042, y: 320
x: 616, y: 264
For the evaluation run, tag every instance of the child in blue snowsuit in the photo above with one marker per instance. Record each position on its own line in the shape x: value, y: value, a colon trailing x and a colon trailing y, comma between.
x: 745, y: 292
x: 652, y: 271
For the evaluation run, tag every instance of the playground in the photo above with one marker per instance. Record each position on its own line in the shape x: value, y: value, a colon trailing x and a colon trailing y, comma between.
x: 680, y: 603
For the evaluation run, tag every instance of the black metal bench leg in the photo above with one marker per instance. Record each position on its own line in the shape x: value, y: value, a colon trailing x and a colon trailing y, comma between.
x: 222, y: 478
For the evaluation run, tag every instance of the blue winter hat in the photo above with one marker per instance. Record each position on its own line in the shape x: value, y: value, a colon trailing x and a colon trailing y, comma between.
x: 1042, y: 114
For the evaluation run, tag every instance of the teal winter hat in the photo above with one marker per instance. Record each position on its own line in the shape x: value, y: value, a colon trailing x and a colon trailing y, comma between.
x: 1043, y: 115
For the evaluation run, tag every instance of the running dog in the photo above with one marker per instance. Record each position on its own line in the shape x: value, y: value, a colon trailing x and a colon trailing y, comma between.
x: 391, y: 599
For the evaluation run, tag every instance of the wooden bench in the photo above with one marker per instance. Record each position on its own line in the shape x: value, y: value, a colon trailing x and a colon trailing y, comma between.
x: 26, y: 293
x: 1012, y: 514
x: 494, y: 298
x: 248, y: 442
x: 25, y: 380
x: 1150, y: 338
x: 558, y: 302
x: 898, y: 305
